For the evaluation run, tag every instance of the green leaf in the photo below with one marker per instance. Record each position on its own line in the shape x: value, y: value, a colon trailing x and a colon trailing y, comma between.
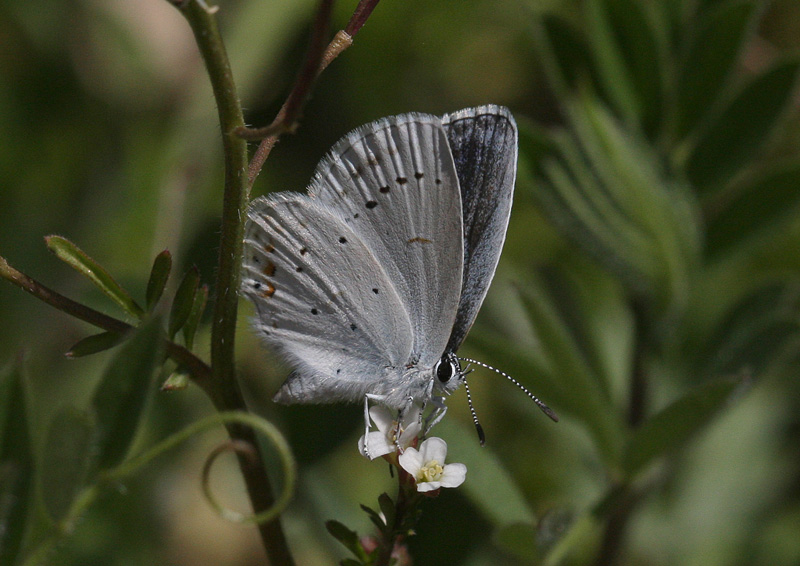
x: 754, y: 332
x: 630, y: 53
x: 184, y: 301
x: 16, y: 463
x: 345, y: 536
x: 159, y: 276
x: 120, y: 397
x: 489, y: 485
x: 67, y: 462
x: 198, y: 308
x: 711, y: 57
x: 568, y: 362
x: 518, y: 539
x: 675, y: 425
x: 756, y: 208
x: 734, y: 138
x: 570, y: 50
x: 628, y: 59
x: 76, y: 258
x: 94, y: 344
x: 375, y: 517
x: 387, y: 508
x: 177, y: 381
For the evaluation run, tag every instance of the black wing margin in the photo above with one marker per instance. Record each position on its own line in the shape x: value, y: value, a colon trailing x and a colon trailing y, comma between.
x: 483, y: 141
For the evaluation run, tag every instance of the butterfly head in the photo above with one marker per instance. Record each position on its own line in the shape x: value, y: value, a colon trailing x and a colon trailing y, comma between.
x: 448, y: 375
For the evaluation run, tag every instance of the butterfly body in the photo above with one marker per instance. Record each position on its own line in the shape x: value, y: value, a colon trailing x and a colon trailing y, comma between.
x: 368, y: 284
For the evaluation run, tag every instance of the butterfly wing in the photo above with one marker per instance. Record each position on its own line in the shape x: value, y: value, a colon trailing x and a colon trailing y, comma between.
x: 483, y: 142
x: 322, y: 299
x: 396, y: 184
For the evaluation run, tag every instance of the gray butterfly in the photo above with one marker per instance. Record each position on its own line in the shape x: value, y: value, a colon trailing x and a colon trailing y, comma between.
x: 369, y: 284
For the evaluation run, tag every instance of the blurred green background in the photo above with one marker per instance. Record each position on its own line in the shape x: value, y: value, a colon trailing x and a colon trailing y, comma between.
x: 652, y: 254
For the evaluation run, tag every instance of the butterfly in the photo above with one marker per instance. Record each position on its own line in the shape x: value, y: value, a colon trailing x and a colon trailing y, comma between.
x: 368, y: 284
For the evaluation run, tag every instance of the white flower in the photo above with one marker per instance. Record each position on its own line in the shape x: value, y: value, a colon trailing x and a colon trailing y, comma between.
x: 386, y: 439
x: 427, y: 466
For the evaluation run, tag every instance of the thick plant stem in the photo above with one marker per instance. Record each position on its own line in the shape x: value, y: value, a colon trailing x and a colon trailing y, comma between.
x: 226, y: 393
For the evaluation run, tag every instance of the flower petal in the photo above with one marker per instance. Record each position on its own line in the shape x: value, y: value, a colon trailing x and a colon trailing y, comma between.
x: 453, y: 475
x: 382, y: 417
x: 428, y: 486
x: 433, y: 448
x: 378, y: 446
x: 411, y: 461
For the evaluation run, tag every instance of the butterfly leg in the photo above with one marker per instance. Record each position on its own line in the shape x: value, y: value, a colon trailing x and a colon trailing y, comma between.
x: 436, y: 415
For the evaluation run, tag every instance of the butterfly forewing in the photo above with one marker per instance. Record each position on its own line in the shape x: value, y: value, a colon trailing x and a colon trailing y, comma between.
x: 483, y: 142
x: 322, y: 299
x: 396, y: 184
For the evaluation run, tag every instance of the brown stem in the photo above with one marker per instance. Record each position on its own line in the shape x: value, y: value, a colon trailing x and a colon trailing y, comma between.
x: 200, y: 372
x: 284, y: 120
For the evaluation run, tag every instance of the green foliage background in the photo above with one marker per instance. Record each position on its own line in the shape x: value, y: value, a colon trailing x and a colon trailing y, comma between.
x: 652, y: 254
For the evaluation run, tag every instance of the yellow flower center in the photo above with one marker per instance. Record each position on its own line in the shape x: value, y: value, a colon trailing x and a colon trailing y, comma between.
x: 432, y: 471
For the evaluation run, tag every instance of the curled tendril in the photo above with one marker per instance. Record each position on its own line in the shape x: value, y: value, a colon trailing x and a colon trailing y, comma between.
x: 245, y: 449
x: 240, y: 447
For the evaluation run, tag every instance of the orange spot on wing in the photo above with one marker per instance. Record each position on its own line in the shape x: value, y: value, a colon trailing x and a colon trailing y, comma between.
x: 269, y: 291
x: 269, y: 269
x: 419, y: 240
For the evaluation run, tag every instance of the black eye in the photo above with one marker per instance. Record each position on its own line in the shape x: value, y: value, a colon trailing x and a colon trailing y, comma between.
x: 444, y: 370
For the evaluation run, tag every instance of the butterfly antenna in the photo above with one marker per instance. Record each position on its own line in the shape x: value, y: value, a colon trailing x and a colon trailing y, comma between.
x: 478, y: 427
x: 545, y: 409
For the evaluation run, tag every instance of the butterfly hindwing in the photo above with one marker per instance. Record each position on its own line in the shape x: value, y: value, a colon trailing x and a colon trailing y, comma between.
x: 395, y: 182
x: 322, y: 299
x: 483, y: 142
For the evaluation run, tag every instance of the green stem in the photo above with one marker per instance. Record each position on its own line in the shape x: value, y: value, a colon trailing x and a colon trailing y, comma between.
x: 226, y: 394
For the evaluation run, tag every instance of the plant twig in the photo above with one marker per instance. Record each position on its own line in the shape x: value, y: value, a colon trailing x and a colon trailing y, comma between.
x: 341, y: 41
x: 226, y: 394
x: 286, y: 119
x: 200, y: 372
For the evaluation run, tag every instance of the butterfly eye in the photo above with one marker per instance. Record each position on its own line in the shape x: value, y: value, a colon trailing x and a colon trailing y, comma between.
x: 444, y: 370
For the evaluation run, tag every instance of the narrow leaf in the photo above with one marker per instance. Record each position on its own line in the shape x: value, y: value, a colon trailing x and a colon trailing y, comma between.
x: 177, y: 381
x: 345, y: 536
x: 713, y: 53
x: 732, y: 141
x: 670, y: 429
x: 375, y: 517
x: 159, y: 276
x: 94, y: 344
x: 754, y: 332
x: 76, y: 258
x: 489, y: 484
x: 387, y: 508
x: 16, y: 463
x: 67, y: 462
x: 755, y: 209
x: 198, y: 308
x: 119, y: 399
x: 184, y: 301
x: 611, y: 66
x: 637, y: 46
x: 570, y: 50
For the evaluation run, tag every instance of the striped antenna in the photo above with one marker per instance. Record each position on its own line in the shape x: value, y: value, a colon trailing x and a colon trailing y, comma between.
x: 545, y: 409
x: 478, y: 427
